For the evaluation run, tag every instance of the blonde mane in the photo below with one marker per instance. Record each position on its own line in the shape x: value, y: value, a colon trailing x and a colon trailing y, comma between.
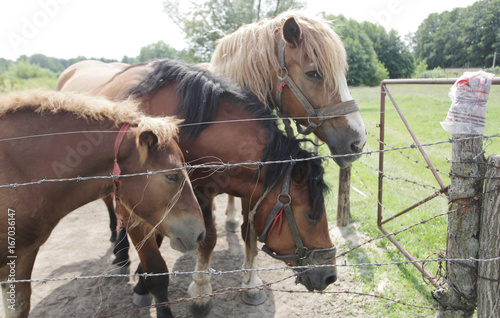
x: 248, y: 55
x: 91, y: 108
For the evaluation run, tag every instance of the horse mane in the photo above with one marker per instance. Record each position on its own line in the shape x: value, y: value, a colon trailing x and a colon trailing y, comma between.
x: 247, y: 55
x: 90, y: 108
x: 210, y: 89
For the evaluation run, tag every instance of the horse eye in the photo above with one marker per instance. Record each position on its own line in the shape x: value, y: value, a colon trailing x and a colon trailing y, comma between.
x: 174, y: 178
x: 314, y: 75
x: 312, y: 218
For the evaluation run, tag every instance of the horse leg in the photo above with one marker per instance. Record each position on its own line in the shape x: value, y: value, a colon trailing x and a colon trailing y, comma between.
x: 108, y: 200
x: 201, y: 282
x: 232, y: 219
x: 252, y: 296
x: 151, y: 262
x: 17, y: 297
x: 141, y: 296
x: 121, y: 263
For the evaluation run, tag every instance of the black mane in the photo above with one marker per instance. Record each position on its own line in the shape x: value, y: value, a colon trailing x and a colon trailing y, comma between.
x: 210, y: 89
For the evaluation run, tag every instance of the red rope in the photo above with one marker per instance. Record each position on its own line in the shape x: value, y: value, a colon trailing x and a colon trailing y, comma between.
x: 278, y: 217
x: 282, y: 86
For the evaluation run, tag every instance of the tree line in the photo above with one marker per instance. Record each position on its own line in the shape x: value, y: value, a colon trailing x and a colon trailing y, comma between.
x: 462, y: 37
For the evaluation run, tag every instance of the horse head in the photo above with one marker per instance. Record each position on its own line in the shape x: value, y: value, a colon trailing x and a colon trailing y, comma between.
x: 297, y: 65
x: 312, y: 66
x: 291, y: 221
x: 164, y: 200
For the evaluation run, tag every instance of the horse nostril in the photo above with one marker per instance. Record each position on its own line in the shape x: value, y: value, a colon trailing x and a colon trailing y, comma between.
x: 355, y: 147
x: 330, y: 279
x: 200, y: 237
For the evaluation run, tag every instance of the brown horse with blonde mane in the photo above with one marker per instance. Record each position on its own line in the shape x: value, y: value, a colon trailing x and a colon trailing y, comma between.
x: 295, y: 64
x: 46, y: 136
x: 224, y: 124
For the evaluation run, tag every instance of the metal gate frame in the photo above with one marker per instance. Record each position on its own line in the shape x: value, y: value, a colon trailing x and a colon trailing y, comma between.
x: 384, y: 91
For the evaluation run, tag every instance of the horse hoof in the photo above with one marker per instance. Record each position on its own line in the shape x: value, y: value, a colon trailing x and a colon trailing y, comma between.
x: 119, y: 270
x: 200, y: 310
x: 254, y: 297
x: 232, y: 226
x: 142, y: 300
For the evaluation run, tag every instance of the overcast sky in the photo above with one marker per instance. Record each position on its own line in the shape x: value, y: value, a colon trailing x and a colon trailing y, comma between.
x: 114, y: 28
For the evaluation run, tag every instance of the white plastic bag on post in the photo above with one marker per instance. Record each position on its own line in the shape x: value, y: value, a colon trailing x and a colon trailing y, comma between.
x: 469, y: 96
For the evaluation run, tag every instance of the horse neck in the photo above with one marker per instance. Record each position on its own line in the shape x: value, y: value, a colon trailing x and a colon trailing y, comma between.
x: 235, y: 137
x: 59, y: 156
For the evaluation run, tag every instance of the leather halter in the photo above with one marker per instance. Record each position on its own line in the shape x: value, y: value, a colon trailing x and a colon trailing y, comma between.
x: 303, y: 256
x: 116, y: 168
x: 320, y: 114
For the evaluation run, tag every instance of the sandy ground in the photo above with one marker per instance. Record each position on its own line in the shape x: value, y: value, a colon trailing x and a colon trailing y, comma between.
x: 79, y: 246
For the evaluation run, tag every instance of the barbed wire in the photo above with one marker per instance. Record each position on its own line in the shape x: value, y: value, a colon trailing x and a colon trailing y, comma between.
x: 196, y: 124
x: 228, y: 165
x: 212, y: 271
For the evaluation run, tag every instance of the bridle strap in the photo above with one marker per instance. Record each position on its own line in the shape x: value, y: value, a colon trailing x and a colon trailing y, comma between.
x: 116, y: 167
x: 303, y: 256
x: 285, y: 206
x: 320, y: 114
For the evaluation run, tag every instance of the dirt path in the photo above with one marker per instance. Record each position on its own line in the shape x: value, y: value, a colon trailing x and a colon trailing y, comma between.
x: 79, y: 246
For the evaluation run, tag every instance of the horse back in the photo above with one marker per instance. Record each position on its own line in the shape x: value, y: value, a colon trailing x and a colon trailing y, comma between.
x: 88, y: 76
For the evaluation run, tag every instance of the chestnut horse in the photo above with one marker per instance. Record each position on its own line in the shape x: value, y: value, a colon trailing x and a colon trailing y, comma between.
x: 225, y: 124
x: 295, y: 64
x: 49, y: 135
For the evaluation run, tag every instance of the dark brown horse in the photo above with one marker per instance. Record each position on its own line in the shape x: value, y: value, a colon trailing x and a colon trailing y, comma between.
x: 224, y: 124
x: 49, y: 135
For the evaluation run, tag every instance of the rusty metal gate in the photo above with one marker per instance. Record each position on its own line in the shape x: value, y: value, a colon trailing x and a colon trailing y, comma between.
x: 442, y: 187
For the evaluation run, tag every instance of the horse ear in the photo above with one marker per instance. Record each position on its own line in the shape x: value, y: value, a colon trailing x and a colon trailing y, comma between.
x: 292, y: 33
x: 149, y: 139
x: 300, y: 173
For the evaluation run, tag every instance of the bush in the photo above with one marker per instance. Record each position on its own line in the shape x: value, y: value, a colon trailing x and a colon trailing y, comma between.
x: 435, y: 73
x: 421, y: 68
x: 495, y: 70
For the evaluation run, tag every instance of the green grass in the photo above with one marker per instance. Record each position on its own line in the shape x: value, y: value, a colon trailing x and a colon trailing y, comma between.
x: 406, y: 182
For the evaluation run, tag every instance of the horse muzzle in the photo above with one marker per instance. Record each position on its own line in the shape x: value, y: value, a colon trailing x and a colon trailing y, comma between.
x: 185, y: 236
x: 317, y: 278
x: 351, y: 154
x: 314, y: 278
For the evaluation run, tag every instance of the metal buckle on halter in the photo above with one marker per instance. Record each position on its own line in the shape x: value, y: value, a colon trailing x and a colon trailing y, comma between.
x: 302, y: 257
x: 281, y: 69
x: 285, y: 195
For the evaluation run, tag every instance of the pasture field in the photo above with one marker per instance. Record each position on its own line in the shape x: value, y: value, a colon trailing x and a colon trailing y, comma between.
x: 407, y: 181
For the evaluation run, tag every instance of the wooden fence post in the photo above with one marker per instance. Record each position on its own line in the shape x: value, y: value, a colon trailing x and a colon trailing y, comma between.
x: 343, y: 203
x: 457, y: 296
x: 488, y: 296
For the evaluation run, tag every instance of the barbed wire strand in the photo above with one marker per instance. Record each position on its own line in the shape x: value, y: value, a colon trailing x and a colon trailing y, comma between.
x: 227, y: 165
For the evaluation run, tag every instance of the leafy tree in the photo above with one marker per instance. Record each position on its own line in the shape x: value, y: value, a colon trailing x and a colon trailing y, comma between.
x: 391, y: 51
x: 461, y: 37
x: 4, y: 65
x: 50, y: 63
x: 23, y: 69
x: 209, y: 21
x: 128, y: 60
x: 365, y: 69
x: 157, y: 50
